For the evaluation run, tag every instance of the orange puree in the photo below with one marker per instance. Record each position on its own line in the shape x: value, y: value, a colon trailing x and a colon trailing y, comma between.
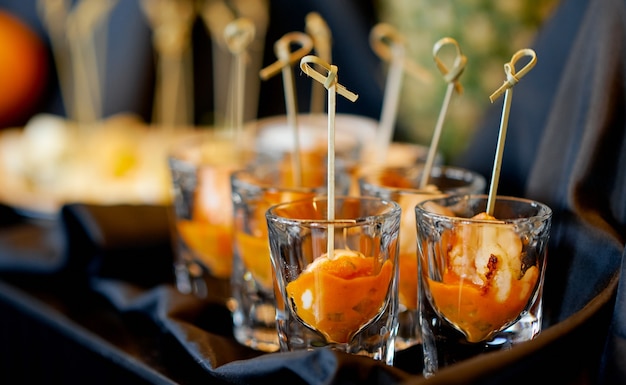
x: 255, y: 255
x: 211, y: 243
x: 310, y: 176
x: 407, y: 284
x: 254, y: 248
x: 338, y: 296
x: 476, y: 310
x: 209, y: 232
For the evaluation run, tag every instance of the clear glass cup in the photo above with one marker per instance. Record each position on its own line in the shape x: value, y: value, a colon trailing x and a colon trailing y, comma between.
x: 255, y: 189
x: 402, y: 185
x: 480, y: 277
x: 345, y: 298
x: 201, y: 215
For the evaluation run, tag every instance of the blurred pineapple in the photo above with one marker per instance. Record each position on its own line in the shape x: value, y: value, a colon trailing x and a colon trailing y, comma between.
x: 489, y: 32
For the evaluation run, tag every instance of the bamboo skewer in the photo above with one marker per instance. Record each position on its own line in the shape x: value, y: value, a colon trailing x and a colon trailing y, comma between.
x: 451, y: 76
x: 331, y: 84
x: 316, y: 27
x: 79, y: 33
x: 512, y: 78
x: 238, y: 35
x: 171, y: 21
x: 54, y: 16
x: 389, y: 45
x: 286, y: 59
x: 216, y: 15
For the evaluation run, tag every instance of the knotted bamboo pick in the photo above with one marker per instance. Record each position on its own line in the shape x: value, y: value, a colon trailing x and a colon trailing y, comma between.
x: 216, y: 15
x: 316, y: 27
x: 389, y: 45
x: 331, y: 84
x: 79, y: 34
x: 88, y: 51
x: 238, y: 35
x: 54, y: 17
x: 171, y: 22
x: 452, y: 78
x: 286, y: 58
x: 512, y: 78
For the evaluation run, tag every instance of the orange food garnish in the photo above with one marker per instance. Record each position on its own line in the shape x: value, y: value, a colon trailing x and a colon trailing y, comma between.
x: 476, y: 310
x: 255, y: 255
x: 209, y: 234
x: 254, y: 248
x: 211, y: 243
x: 339, y: 296
x: 407, y: 280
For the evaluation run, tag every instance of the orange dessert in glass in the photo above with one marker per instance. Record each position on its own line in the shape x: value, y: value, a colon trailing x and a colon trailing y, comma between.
x: 480, y: 275
x: 485, y: 286
x: 202, y: 209
x: 402, y: 185
x: 336, y: 278
x: 263, y: 185
x: 338, y: 296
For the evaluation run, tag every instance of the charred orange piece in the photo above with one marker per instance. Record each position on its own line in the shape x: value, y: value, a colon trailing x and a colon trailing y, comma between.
x: 476, y: 310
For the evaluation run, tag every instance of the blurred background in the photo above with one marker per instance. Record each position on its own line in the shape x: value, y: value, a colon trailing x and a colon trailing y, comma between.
x: 41, y: 40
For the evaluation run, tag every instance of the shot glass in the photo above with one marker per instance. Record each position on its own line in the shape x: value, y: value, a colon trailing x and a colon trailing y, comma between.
x: 254, y: 190
x: 202, y: 216
x: 480, y: 276
x: 403, y: 185
x: 336, y: 279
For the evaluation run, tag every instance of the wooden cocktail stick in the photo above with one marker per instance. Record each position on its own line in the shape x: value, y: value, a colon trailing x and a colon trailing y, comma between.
x: 171, y: 22
x: 54, y: 17
x: 238, y: 35
x: 451, y: 76
x: 73, y: 33
x: 389, y: 45
x: 316, y: 27
x: 286, y: 58
x: 331, y: 84
x: 512, y: 78
x: 216, y: 14
x: 88, y: 58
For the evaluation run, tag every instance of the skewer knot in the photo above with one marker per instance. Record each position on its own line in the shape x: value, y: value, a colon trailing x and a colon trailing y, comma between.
x: 238, y: 34
x: 512, y: 77
x: 389, y: 45
x: 450, y: 75
x: 285, y: 56
x: 317, y: 27
x: 329, y: 80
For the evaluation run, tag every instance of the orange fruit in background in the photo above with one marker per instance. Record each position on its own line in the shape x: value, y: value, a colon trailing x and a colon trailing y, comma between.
x: 23, y: 70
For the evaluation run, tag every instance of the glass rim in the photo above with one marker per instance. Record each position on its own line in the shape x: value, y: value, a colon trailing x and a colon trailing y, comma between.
x: 544, y: 211
x: 394, y: 209
x: 251, y: 184
x: 245, y: 178
x: 478, y: 182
